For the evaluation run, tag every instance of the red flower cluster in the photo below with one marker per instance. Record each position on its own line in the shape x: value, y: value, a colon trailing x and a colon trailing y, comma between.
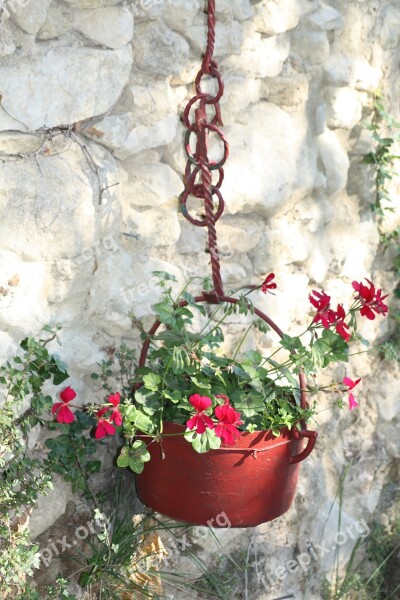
x: 61, y: 409
x: 327, y: 316
x: 371, y: 300
x: 105, y: 423
x: 228, y: 418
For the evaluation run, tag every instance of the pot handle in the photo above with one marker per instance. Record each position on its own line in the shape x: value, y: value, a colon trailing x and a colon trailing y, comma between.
x: 312, y: 438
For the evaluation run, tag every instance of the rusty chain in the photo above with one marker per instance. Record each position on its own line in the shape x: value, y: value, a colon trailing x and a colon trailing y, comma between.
x: 199, y: 169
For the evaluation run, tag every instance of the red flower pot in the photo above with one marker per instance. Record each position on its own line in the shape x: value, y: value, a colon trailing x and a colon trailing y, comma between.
x: 240, y: 486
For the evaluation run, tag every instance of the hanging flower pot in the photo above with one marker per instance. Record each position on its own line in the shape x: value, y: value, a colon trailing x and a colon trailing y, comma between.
x: 243, y: 485
x: 217, y: 440
x: 225, y: 474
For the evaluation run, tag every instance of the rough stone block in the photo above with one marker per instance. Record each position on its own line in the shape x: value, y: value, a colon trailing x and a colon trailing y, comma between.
x: 335, y: 161
x: 277, y: 16
x: 262, y: 57
x: 344, y: 107
x: 29, y: 14
x: 124, y: 139
x: 38, y: 206
x: 110, y: 26
x: 262, y: 174
x: 228, y: 36
x: 151, y: 185
x: 326, y: 18
x: 68, y: 84
x: 158, y: 50
x: 353, y: 71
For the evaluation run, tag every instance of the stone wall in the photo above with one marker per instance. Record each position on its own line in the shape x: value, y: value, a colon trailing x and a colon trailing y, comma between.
x: 91, y: 162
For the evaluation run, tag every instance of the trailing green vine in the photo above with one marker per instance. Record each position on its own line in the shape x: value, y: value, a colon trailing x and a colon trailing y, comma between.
x: 386, y: 133
x: 22, y: 477
x: 121, y: 559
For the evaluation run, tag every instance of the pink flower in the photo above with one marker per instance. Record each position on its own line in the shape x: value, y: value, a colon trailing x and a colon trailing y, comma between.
x: 61, y: 409
x: 371, y: 300
x: 350, y: 383
x: 352, y: 402
x: 104, y: 427
x: 350, y: 386
x: 229, y: 420
x: 115, y: 415
x: 268, y: 284
x: 200, y: 421
x: 341, y: 326
x: 322, y: 303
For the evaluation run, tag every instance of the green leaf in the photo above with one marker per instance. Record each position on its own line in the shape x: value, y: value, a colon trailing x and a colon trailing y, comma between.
x: 59, y: 377
x: 136, y: 465
x: 203, y: 442
x: 253, y: 358
x: 165, y: 311
x: 139, y: 419
x: 251, y: 403
x: 152, y: 381
x: 134, y: 456
x: 174, y: 397
x: 123, y: 458
x: 291, y: 343
x: 200, y: 443
x: 164, y: 276
x: 204, y: 386
x: 214, y: 442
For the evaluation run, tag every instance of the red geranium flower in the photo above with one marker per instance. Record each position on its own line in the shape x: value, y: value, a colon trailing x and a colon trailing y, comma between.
x: 322, y: 303
x: 341, y: 326
x: 229, y: 420
x: 267, y: 285
x: 67, y: 394
x: 200, y: 421
x: 115, y: 415
x: 371, y: 300
x: 104, y: 427
x: 350, y: 386
x: 61, y: 409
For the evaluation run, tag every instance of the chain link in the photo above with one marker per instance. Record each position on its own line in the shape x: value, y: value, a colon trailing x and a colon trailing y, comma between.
x: 199, y: 169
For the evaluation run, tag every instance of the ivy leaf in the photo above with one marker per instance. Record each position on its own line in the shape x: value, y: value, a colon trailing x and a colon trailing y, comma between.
x: 202, y: 385
x: 174, y: 397
x: 151, y: 381
x: 165, y: 312
x: 291, y: 343
x: 164, y: 276
x: 250, y: 404
x: 200, y: 443
x: 134, y: 456
x: 123, y: 458
x: 139, y: 419
x: 253, y: 358
x: 214, y: 442
x: 338, y: 347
